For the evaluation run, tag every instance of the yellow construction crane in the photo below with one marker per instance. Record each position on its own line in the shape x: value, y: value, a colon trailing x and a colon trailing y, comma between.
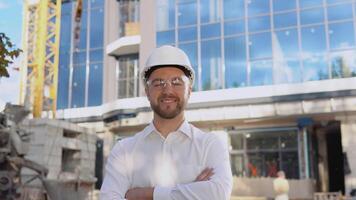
x: 41, y: 36
x: 39, y: 73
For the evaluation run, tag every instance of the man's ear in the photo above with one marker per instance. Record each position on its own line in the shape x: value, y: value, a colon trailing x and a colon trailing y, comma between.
x: 147, y: 92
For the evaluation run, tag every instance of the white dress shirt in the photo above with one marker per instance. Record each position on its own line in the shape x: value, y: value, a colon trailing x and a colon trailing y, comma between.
x: 170, y: 165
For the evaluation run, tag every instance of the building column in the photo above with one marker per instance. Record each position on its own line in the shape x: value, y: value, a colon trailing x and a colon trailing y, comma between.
x: 348, y: 137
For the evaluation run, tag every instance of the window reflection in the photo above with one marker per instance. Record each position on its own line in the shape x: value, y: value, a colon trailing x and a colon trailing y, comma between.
x: 127, y: 76
x: 257, y: 7
x: 191, y: 50
x: 285, y: 19
x: 338, y: 12
x: 165, y: 37
x: 96, y: 28
x: 211, y: 63
x: 341, y: 35
x: 311, y: 16
x: 235, y: 62
x: 313, y: 39
x: 234, y: 27
x: 309, y: 3
x: 187, y: 34
x: 165, y: 14
x: 63, y: 87
x: 261, y: 73
x: 315, y: 68
x: 95, y: 89
x: 237, y: 5
x: 187, y: 13
x: 259, y: 23
x: 280, y: 5
x: 343, y: 64
x: 260, y: 45
x: 78, y: 86
x: 210, y: 30
x: 209, y: 11
x: 262, y: 154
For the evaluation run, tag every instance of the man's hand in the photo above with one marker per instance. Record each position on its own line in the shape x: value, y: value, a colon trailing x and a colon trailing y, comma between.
x: 139, y: 194
x: 205, y: 175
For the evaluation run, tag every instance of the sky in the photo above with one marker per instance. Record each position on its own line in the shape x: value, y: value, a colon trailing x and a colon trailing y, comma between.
x: 11, y: 24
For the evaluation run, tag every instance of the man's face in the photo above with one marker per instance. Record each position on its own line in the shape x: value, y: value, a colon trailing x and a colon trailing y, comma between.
x: 168, y: 91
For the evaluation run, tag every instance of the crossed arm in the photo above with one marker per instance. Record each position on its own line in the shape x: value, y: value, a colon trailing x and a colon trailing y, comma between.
x: 211, y: 184
x: 146, y: 193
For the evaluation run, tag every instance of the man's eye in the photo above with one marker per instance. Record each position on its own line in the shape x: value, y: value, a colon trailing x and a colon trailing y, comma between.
x: 177, y: 82
x: 157, y: 83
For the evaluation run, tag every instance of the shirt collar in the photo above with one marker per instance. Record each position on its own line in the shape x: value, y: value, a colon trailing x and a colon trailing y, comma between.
x: 184, y: 128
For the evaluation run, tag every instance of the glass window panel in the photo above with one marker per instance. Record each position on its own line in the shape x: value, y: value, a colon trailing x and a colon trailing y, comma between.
x: 257, y: 7
x: 97, y: 3
x: 289, y: 140
x: 66, y: 30
x: 343, y: 64
x: 255, y: 164
x: 63, y: 87
x: 186, y: 34
x: 165, y: 37
x: 64, y: 59
x: 280, y: 5
x: 210, y: 30
x: 237, y: 165
x: 315, y: 68
x: 187, y: 13
x: 261, y: 73
x: 96, y: 28
x: 234, y: 27
x: 81, y: 40
x: 230, y: 8
x: 95, y: 91
x: 78, y: 86
x: 287, y: 71
x: 79, y: 58
x: 128, y: 73
x: 191, y: 50
x: 66, y: 8
x: 313, y: 39
x: 285, y: 20
x: 259, y: 23
x: 289, y: 164
x: 129, y: 18
x: 339, y: 12
x: 85, y: 4
x: 310, y: 3
x: 336, y: 1
x: 209, y: 11
x: 211, y: 63
x: 165, y: 14
x: 235, y: 62
x: 311, y: 16
x: 285, y: 43
x: 237, y: 141
x: 338, y: 38
x: 96, y: 55
x: 260, y: 45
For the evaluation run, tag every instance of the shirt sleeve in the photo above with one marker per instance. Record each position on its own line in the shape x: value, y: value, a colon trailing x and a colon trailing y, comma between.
x: 218, y: 187
x: 116, y: 181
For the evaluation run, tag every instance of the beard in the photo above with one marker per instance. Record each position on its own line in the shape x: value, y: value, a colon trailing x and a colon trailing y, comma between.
x: 168, y: 111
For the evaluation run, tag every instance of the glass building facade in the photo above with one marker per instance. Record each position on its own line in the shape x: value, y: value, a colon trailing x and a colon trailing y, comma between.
x: 241, y: 43
x: 80, y: 74
x: 245, y: 43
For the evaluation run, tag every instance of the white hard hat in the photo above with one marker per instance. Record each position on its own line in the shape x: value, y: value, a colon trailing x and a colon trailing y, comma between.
x: 166, y: 56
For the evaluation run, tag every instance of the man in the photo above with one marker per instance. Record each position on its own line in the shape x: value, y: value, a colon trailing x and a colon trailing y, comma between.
x: 170, y: 158
x: 281, y: 186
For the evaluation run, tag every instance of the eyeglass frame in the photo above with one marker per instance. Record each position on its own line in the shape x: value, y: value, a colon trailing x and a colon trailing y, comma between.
x: 164, y: 82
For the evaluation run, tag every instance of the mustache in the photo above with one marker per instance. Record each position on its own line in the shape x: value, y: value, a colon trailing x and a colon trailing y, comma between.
x: 168, y: 96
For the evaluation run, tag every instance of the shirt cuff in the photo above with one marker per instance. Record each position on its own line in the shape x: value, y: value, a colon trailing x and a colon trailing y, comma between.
x: 162, y: 193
